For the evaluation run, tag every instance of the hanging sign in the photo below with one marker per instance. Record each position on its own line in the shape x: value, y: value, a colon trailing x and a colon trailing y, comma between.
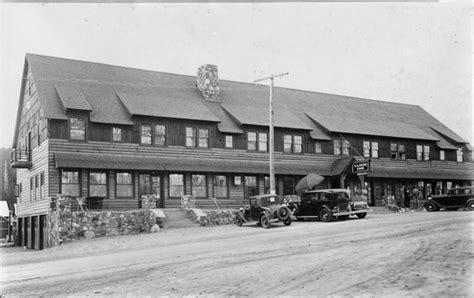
x: 361, y: 167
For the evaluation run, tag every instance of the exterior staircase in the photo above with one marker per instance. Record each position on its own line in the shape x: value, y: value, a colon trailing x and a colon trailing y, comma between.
x: 176, y: 219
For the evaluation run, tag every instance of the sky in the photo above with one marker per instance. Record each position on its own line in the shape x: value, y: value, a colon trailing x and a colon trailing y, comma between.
x: 415, y: 53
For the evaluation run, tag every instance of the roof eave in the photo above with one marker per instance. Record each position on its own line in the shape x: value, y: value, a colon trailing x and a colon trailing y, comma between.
x: 20, y: 101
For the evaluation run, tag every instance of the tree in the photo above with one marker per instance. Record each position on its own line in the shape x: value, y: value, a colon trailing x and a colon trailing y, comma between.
x: 7, y: 179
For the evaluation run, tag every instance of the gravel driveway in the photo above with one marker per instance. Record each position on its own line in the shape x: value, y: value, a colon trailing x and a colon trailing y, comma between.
x: 418, y: 254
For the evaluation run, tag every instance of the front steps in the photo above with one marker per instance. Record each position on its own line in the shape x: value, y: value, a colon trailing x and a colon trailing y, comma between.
x: 176, y: 219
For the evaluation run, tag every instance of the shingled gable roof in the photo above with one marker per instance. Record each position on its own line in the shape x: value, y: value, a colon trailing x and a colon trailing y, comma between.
x: 115, y: 93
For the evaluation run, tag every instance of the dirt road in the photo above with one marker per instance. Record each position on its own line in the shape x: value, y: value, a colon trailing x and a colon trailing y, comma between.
x: 418, y: 254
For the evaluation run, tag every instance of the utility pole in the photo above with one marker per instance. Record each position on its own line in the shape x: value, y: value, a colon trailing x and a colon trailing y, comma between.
x: 272, y: 136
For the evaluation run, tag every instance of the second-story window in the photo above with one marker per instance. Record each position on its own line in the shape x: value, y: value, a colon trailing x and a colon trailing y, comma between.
x: 229, y: 141
x: 160, y: 135
x: 297, y: 144
x: 402, y: 153
x: 116, y: 134
x: 252, y: 141
x: 145, y: 134
x: 346, y: 148
x: 422, y: 152
x: 371, y: 149
x: 287, y: 143
x: 203, y: 138
x: 441, y: 155
x: 77, y: 128
x: 190, y: 137
x: 262, y: 141
x: 459, y: 155
x: 394, y: 151
x: 292, y: 144
x: 426, y: 152
x: 317, y: 147
x: 337, y: 147
x: 375, y: 149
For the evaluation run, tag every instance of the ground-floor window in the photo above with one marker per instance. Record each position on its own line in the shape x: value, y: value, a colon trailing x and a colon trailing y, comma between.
x: 70, y: 183
x: 220, y: 186
x: 98, y: 184
x: 199, y: 186
x: 176, y: 188
x: 124, y: 185
x: 250, y: 186
x: 289, y: 184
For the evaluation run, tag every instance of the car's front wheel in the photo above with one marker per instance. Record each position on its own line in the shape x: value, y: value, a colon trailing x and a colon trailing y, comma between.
x: 431, y: 207
x: 325, y: 215
x: 361, y: 215
x: 287, y: 221
x: 470, y: 205
x: 265, y: 221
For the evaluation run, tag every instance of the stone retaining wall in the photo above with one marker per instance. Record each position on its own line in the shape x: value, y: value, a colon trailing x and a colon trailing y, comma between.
x: 211, y: 217
x: 64, y: 225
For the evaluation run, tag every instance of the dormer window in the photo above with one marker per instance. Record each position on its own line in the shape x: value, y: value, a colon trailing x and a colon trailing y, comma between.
x: 116, y: 134
x: 77, y: 129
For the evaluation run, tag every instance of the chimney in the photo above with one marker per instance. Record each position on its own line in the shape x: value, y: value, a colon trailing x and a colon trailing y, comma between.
x: 208, y: 81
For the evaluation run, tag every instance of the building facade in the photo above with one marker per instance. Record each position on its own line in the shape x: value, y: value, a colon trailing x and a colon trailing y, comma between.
x: 87, y: 129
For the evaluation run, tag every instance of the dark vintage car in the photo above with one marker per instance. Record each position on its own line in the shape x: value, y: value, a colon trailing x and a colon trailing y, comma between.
x: 460, y: 197
x: 327, y: 204
x: 264, y: 209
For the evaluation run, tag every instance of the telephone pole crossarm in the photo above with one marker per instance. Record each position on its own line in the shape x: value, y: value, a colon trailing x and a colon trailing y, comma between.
x: 271, y: 77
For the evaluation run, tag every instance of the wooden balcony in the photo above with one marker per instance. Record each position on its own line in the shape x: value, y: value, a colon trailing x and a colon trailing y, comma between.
x: 20, y: 158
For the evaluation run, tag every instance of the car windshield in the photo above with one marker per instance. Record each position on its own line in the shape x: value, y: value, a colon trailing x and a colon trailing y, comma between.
x: 342, y: 195
x: 271, y: 201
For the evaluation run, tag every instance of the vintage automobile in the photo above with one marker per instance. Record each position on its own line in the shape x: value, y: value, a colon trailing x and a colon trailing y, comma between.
x: 460, y: 197
x: 264, y: 209
x: 327, y: 204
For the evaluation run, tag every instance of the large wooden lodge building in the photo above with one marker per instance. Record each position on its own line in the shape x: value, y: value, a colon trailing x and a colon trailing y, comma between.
x: 90, y: 129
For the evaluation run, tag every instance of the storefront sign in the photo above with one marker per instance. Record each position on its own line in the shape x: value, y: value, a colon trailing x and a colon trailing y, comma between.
x: 361, y: 167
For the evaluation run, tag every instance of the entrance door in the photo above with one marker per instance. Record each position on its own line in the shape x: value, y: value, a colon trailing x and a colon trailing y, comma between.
x: 150, y: 184
x: 21, y: 235
x: 156, y: 190
x: 43, y: 236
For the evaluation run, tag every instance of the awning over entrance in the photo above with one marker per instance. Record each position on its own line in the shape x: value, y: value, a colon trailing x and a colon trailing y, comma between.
x: 344, y: 164
x: 108, y: 161
x: 340, y: 165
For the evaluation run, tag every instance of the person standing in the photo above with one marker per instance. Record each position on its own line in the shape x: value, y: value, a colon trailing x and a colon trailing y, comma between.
x: 406, y: 194
x: 416, y: 193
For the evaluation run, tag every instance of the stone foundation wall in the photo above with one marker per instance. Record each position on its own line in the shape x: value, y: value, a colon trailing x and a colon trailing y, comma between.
x: 64, y: 225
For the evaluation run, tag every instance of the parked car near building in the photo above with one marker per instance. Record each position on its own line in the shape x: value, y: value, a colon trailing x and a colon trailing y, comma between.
x: 327, y: 204
x: 460, y: 197
x: 264, y: 209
